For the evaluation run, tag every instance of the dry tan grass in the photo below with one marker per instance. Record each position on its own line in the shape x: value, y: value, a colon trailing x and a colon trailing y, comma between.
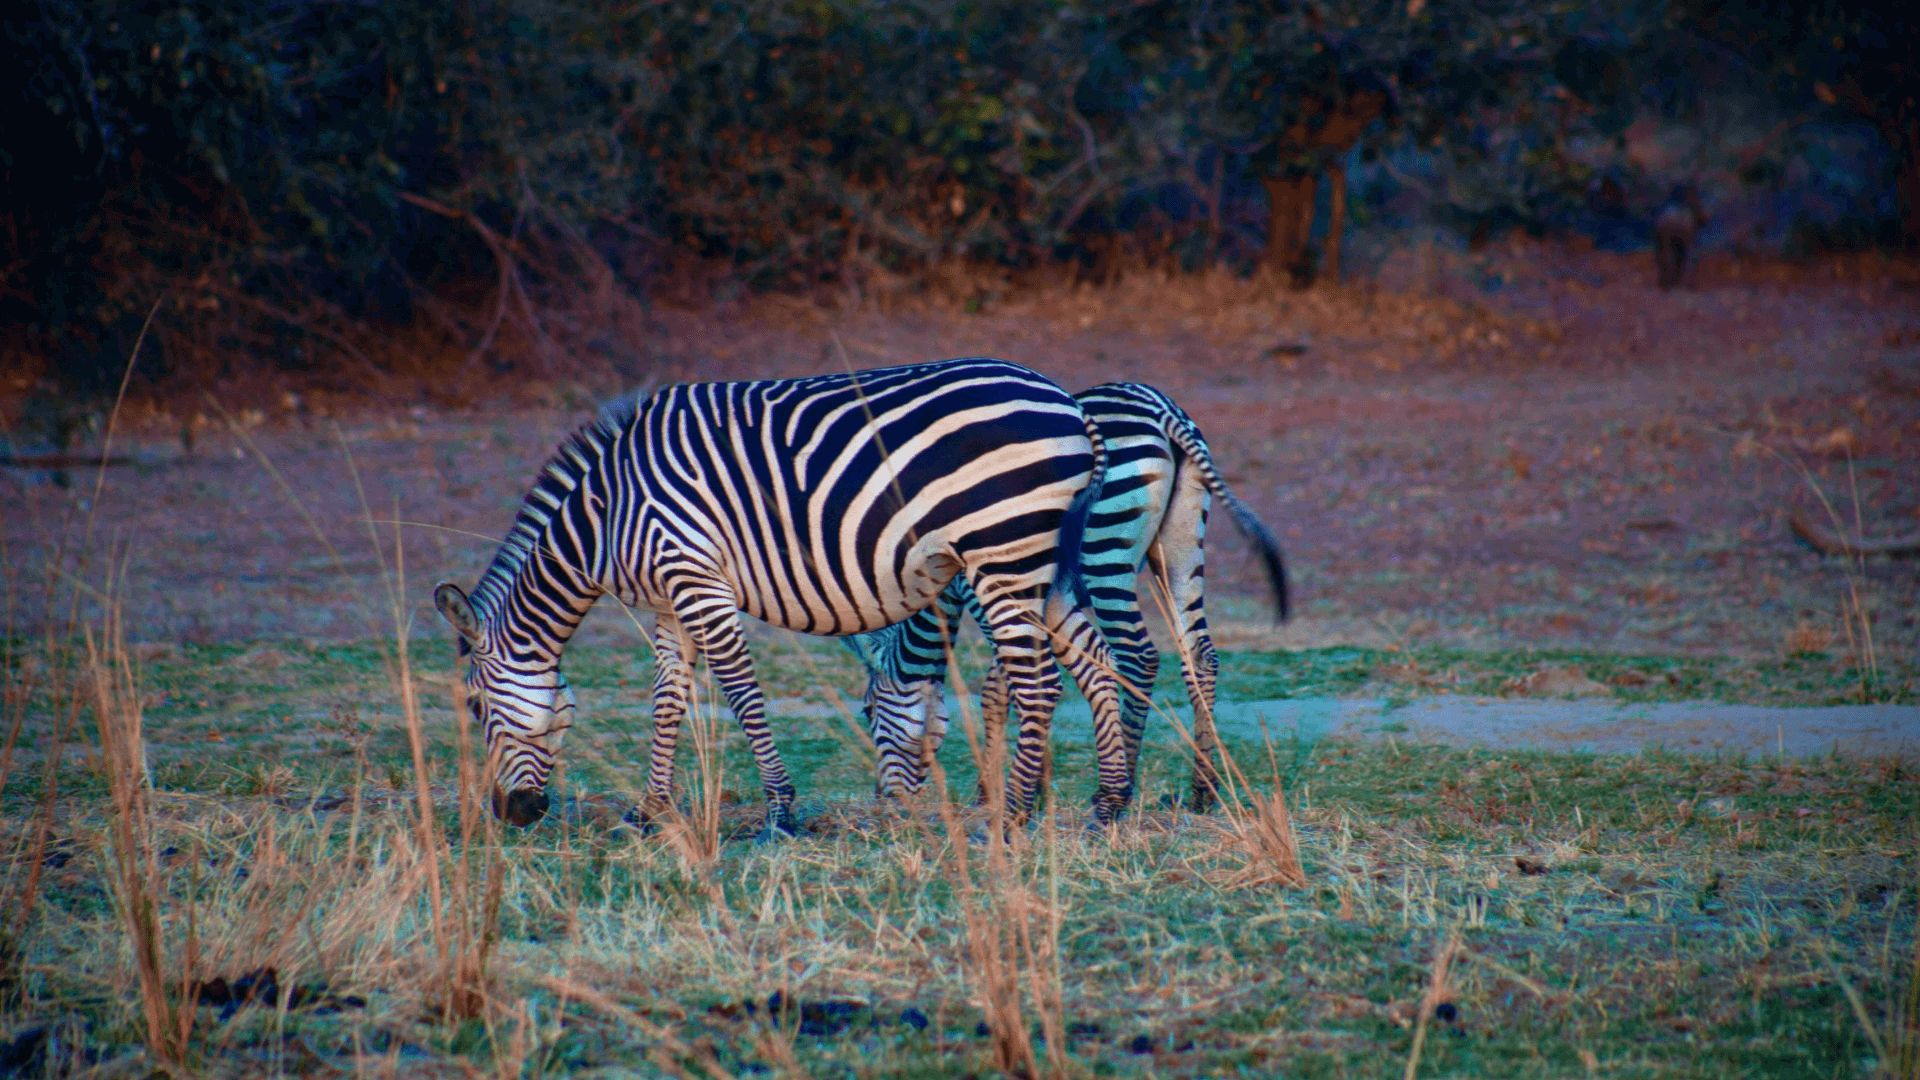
x: 1012, y: 935
x: 135, y: 870
x: 1807, y: 635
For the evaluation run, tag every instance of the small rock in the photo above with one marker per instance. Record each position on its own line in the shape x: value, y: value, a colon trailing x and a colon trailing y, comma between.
x: 1141, y: 1044
x: 59, y: 853
x: 816, y: 1018
x: 261, y: 986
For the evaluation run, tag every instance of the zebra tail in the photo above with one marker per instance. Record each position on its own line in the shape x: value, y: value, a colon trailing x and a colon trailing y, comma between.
x: 1073, y: 528
x: 1181, y: 429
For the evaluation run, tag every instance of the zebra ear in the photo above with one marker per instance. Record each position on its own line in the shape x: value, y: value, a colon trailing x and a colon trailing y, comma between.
x: 457, y: 611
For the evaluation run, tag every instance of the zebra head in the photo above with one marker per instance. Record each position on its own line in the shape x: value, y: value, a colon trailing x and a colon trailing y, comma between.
x: 523, y: 709
x: 908, y: 720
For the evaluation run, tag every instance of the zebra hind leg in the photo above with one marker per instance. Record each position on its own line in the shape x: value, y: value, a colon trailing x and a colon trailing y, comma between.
x: 1179, y: 560
x: 1201, y: 672
x: 1078, y: 645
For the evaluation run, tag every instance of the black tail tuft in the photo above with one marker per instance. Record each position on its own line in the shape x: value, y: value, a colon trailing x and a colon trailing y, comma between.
x: 1256, y: 531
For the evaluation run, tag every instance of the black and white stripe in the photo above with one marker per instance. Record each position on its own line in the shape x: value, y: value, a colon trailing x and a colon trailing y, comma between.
x: 1152, y: 512
x: 830, y: 505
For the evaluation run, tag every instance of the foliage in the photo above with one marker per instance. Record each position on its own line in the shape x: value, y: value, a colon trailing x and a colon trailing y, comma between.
x: 362, y: 156
x: 240, y: 149
x: 1857, y: 58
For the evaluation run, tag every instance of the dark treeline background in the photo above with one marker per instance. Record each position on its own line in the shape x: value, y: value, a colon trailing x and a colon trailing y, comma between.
x: 310, y: 168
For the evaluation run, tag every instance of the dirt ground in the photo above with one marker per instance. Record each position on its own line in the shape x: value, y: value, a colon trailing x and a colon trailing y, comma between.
x: 1530, y: 446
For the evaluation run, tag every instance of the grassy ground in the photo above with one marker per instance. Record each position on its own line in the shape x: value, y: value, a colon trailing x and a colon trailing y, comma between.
x: 1504, y: 914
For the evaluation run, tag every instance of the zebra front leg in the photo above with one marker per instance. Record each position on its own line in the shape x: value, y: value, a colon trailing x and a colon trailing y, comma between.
x: 723, y: 643
x: 994, y: 707
x: 1033, y: 690
x: 672, y: 693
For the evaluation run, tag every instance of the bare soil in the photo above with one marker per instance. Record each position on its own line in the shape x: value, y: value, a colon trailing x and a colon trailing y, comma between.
x: 1531, y: 446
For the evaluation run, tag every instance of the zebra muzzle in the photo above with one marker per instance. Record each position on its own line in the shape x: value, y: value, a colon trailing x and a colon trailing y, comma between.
x: 520, y: 807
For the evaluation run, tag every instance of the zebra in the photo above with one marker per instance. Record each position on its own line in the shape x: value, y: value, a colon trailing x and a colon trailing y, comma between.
x: 1152, y: 510
x: 829, y: 505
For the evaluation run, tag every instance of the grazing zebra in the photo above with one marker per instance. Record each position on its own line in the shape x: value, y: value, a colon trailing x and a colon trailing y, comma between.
x: 830, y: 505
x: 1152, y: 510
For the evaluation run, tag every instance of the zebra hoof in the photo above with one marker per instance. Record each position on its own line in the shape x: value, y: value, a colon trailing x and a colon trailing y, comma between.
x: 781, y: 825
x: 1108, y: 807
x: 634, y: 819
x: 983, y: 835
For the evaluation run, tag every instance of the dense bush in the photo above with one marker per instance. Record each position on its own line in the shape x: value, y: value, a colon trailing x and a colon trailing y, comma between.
x: 316, y: 162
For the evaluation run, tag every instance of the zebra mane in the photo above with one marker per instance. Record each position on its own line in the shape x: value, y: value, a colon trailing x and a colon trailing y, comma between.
x: 570, y: 463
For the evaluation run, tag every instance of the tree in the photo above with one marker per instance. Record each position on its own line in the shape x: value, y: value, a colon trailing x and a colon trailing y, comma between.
x: 1852, y: 57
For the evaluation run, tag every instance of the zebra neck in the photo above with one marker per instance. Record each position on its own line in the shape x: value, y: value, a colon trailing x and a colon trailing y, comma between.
x: 542, y: 608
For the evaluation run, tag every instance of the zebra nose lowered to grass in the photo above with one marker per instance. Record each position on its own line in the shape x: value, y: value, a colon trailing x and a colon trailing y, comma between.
x: 519, y: 808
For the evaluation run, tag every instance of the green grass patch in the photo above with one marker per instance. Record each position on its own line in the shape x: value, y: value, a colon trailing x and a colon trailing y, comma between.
x: 1648, y: 915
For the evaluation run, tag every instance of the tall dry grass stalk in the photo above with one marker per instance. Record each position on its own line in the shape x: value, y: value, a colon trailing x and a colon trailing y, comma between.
x: 92, y: 671
x: 694, y: 835
x: 134, y: 868
x: 465, y: 896
x: 58, y: 671
x: 1013, y: 936
x: 1258, y: 826
x: 1261, y: 828
x: 1856, y: 620
x: 1895, y: 1035
x: 1439, y: 991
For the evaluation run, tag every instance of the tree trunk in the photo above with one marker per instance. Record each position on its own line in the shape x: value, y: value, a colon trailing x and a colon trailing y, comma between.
x: 1324, y: 132
x: 1289, y: 216
x: 1910, y: 188
x: 1214, y: 194
x: 1336, y: 219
